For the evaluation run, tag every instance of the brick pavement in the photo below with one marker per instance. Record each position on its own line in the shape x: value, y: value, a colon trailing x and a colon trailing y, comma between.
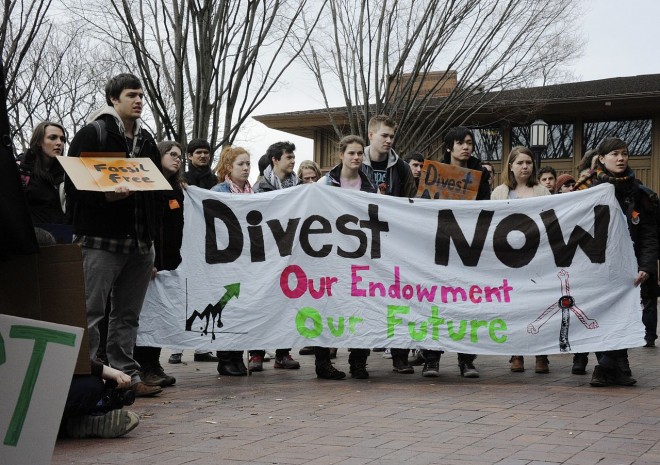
x: 290, y: 417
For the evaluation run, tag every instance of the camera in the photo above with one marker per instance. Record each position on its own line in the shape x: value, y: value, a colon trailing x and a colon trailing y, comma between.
x: 114, y: 398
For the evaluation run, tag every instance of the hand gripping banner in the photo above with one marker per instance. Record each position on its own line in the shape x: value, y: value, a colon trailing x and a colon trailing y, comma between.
x: 316, y: 265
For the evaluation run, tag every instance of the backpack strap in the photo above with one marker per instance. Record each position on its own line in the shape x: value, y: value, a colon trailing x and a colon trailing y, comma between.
x: 101, y: 131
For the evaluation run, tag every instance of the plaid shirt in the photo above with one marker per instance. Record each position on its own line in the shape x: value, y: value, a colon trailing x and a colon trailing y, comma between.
x: 139, y: 244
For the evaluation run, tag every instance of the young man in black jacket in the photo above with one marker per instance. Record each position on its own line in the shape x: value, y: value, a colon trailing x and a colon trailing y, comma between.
x: 116, y: 229
x: 199, y: 169
x: 458, y: 146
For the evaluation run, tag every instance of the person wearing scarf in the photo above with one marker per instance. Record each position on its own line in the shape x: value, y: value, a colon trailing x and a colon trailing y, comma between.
x: 232, y: 173
x: 278, y: 174
x: 639, y: 204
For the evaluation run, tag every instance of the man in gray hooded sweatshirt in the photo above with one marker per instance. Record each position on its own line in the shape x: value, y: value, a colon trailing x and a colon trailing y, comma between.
x: 116, y: 229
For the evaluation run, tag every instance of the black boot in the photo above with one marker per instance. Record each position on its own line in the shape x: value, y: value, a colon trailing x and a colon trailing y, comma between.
x: 227, y: 364
x: 358, y: 363
x: 622, y: 373
x: 400, y: 362
x: 580, y: 364
x: 602, y: 376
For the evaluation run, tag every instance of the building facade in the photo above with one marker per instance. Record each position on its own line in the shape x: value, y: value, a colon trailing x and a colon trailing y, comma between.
x: 579, y: 116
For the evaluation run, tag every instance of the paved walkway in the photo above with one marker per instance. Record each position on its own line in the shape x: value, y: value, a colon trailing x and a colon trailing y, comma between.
x: 290, y: 417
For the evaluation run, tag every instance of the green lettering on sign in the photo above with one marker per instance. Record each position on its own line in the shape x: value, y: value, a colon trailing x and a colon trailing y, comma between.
x: 305, y: 314
x: 41, y: 336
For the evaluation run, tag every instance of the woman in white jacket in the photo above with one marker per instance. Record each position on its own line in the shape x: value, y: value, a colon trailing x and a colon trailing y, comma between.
x: 519, y: 181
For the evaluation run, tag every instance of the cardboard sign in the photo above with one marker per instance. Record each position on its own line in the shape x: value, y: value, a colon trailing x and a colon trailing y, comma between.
x: 443, y: 181
x: 104, y: 174
x: 36, y: 365
x: 48, y: 286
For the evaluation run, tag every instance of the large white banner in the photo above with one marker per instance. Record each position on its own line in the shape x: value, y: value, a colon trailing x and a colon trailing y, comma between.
x: 315, y: 265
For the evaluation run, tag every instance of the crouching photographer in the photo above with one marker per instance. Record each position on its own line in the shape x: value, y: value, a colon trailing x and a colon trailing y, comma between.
x: 94, y: 404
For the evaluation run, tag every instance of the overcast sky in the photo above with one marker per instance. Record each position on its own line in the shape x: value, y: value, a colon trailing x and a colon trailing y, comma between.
x: 622, y: 39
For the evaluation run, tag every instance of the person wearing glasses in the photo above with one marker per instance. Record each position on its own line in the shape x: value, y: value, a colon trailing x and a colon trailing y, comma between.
x: 167, y: 244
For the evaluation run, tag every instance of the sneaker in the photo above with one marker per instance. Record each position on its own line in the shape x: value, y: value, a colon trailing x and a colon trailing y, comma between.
x: 112, y: 424
x: 287, y: 362
x: 649, y: 343
x: 580, y: 364
x: 326, y: 370
x: 268, y: 356
x: 256, y: 363
x: 157, y: 377
x: 307, y: 350
x: 359, y: 370
x: 141, y: 389
x: 174, y: 358
x: 542, y: 363
x: 387, y: 354
x: 431, y: 369
x: 468, y: 370
x: 517, y: 363
x: 205, y: 357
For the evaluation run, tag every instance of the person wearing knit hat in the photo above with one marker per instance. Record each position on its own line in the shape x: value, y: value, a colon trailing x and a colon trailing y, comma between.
x: 565, y: 183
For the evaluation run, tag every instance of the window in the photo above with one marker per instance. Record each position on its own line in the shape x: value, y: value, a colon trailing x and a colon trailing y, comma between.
x: 560, y: 140
x: 487, y: 143
x: 636, y: 133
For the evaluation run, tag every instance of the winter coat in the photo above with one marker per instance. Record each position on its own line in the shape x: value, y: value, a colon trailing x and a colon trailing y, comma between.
x: 201, y: 177
x: 400, y: 180
x: 44, y: 196
x: 93, y: 215
x: 333, y: 179
x: 168, y: 241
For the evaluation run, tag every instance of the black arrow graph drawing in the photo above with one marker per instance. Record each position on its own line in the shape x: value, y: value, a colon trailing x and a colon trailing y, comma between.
x: 213, y: 313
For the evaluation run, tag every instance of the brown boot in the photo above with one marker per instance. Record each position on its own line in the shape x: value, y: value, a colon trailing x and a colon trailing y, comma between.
x: 542, y: 364
x: 517, y: 363
x: 142, y: 390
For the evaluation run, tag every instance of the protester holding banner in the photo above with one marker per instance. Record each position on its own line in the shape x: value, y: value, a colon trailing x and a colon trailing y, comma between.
x: 116, y: 229
x: 348, y: 175
x: 233, y: 171
x: 166, y: 244
x: 458, y: 146
x: 520, y: 182
x: 278, y: 174
x: 392, y: 176
x: 309, y: 172
x: 199, y: 174
x: 639, y: 204
x: 43, y: 177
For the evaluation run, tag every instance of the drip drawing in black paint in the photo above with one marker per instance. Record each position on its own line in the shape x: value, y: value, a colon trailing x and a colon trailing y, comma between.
x: 213, y: 313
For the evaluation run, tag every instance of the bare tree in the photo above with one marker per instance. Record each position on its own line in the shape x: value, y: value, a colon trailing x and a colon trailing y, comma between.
x: 206, y: 65
x: 432, y: 63
x: 23, y: 32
